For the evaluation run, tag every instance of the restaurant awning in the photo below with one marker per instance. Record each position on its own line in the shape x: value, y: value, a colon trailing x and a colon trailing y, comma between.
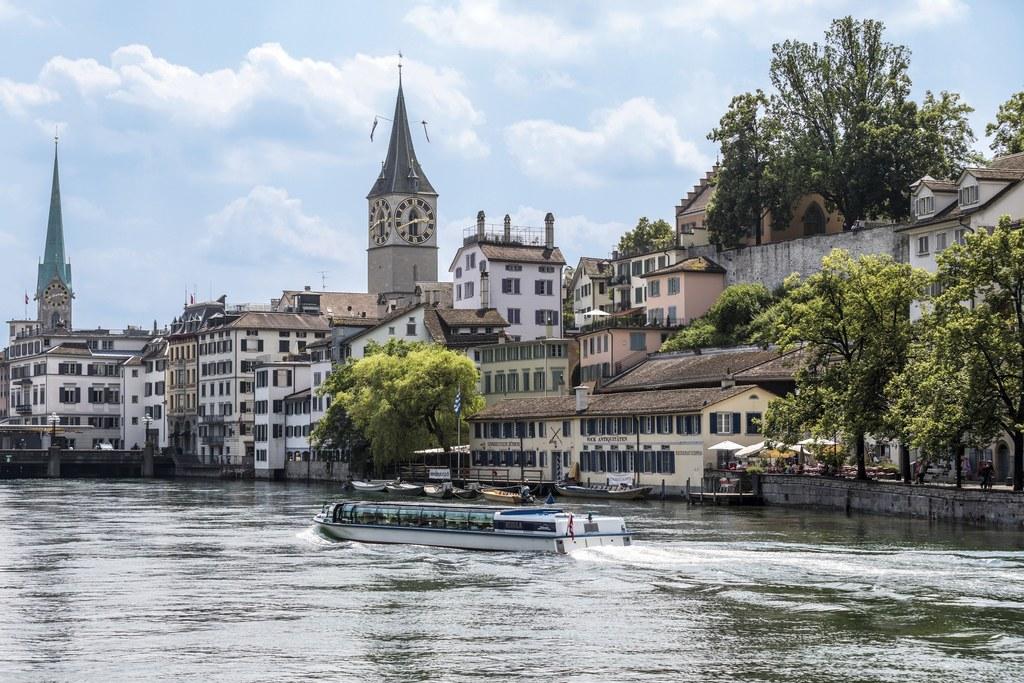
x: 725, y: 446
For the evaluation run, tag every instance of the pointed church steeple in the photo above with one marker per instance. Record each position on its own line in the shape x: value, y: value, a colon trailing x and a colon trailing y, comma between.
x: 401, y: 173
x: 55, y: 263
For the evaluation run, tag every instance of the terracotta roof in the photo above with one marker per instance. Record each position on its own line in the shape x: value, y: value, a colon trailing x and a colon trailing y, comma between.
x: 335, y: 304
x: 395, y: 315
x: 443, y: 323
x: 695, y: 264
x: 688, y: 369
x: 521, y: 253
x: 280, y: 321
x: 628, y: 403
x: 1008, y: 162
x: 782, y: 367
x: 938, y: 185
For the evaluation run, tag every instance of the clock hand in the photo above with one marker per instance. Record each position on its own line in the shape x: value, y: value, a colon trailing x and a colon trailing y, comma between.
x: 414, y: 220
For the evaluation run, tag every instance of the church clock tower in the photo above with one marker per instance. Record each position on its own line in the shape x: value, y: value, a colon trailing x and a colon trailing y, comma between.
x: 402, y: 245
x: 53, y: 283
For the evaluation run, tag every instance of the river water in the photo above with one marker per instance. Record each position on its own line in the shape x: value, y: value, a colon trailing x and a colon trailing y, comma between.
x: 199, y: 581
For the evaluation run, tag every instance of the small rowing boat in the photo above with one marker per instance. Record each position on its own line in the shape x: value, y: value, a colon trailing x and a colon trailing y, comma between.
x: 368, y: 486
x: 471, y: 527
x: 520, y: 497
x: 438, y: 490
x: 403, y: 489
x: 607, y: 492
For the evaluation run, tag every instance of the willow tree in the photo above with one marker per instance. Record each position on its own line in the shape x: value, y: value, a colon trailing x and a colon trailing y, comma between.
x: 981, y: 313
x: 852, y: 321
x: 404, y: 401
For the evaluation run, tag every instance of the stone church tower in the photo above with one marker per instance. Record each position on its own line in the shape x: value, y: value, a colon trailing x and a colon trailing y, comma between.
x: 53, y: 283
x: 402, y: 246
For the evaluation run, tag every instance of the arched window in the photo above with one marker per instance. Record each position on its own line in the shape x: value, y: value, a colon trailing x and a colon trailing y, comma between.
x: 814, y: 220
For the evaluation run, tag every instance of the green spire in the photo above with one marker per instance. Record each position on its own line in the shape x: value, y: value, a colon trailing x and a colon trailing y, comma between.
x: 54, y: 263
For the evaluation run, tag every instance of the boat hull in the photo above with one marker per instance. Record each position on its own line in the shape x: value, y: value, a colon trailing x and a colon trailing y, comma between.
x: 505, y: 498
x: 364, y: 487
x: 404, y: 489
x: 466, y: 540
x: 639, y: 493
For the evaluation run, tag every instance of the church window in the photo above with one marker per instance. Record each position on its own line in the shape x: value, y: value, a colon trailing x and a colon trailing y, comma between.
x: 814, y: 220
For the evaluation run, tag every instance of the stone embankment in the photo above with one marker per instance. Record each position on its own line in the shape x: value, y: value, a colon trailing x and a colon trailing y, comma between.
x: 973, y: 506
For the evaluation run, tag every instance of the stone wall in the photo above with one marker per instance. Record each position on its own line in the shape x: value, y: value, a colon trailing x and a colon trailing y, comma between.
x: 770, y: 264
x: 316, y: 471
x: 999, y: 508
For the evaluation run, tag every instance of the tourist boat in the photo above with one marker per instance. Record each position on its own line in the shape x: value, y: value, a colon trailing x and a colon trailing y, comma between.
x: 369, y: 486
x: 468, y: 527
x: 520, y: 497
x: 403, y: 489
x: 607, y: 492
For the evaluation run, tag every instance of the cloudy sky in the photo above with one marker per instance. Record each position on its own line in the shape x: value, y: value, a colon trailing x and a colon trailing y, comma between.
x: 224, y: 147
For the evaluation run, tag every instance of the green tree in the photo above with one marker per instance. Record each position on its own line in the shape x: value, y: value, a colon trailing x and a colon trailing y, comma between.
x: 1007, y: 130
x: 728, y: 322
x: 945, y: 136
x: 935, y: 405
x: 852, y: 320
x: 401, y: 397
x: 750, y: 183
x: 848, y: 127
x: 647, y: 236
x: 988, y: 271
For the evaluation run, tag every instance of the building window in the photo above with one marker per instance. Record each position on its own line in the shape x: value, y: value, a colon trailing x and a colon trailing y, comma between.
x: 468, y: 290
x: 940, y: 241
x: 547, y: 317
x: 673, y: 285
x: 542, y: 287
x: 458, y: 272
x: 814, y: 220
x: 654, y: 288
x: 637, y: 341
x: 514, y: 317
x: 925, y: 206
x: 510, y: 285
x: 458, y: 292
x: 960, y: 235
x: 282, y: 346
x: 753, y: 423
x: 410, y: 328
x: 922, y: 245
x: 968, y: 195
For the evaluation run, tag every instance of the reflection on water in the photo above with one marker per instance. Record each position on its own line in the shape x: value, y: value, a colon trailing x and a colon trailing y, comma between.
x: 198, y: 581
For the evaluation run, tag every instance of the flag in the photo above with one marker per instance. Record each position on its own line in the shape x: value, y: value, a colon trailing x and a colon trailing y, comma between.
x: 26, y: 298
x: 192, y: 299
x: 458, y: 402
x: 572, y: 533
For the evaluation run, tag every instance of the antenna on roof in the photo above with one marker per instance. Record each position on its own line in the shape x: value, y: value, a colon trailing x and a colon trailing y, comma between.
x: 323, y: 280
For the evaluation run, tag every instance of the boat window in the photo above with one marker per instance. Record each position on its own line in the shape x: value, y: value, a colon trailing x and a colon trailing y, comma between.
x: 432, y: 518
x: 389, y: 516
x: 456, y: 519
x: 364, y: 515
x: 409, y: 517
x: 481, y: 521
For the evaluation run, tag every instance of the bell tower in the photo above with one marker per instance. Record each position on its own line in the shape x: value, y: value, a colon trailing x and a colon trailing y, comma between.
x: 402, y: 238
x: 53, y: 282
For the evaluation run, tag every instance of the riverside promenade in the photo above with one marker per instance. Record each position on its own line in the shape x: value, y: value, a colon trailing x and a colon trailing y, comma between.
x: 999, y: 506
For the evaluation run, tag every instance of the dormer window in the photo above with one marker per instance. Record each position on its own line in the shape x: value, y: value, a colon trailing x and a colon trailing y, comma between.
x: 924, y: 206
x: 968, y: 195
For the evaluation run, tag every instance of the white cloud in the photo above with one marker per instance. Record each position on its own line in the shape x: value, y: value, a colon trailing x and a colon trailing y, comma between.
x: 269, y: 224
x: 347, y: 93
x: 255, y: 162
x: 926, y: 13
x: 16, y: 97
x: 11, y: 13
x: 633, y: 138
x: 520, y: 81
x: 487, y: 25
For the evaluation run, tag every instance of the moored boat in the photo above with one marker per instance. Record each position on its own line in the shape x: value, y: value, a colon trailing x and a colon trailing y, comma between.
x: 403, y: 489
x: 444, y: 490
x: 607, y: 492
x: 506, y: 497
x: 369, y: 486
x: 470, y: 527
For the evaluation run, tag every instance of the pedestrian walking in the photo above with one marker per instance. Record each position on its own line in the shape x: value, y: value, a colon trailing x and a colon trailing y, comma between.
x: 985, y: 470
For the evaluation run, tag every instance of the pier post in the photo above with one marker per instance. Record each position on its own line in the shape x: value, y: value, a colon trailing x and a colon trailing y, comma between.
x: 688, y: 501
x: 663, y: 489
x: 53, y: 464
x: 147, y: 461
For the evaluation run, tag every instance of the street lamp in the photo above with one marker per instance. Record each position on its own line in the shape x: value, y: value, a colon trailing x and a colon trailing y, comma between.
x: 147, y: 420
x: 53, y: 419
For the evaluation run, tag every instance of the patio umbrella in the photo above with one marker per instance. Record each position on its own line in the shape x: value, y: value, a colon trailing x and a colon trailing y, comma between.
x: 725, y: 446
x: 594, y: 313
x: 750, y: 450
x: 816, y: 442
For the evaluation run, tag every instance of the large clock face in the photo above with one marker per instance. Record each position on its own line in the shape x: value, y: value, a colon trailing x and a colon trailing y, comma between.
x: 414, y: 220
x: 380, y: 221
x: 55, y: 295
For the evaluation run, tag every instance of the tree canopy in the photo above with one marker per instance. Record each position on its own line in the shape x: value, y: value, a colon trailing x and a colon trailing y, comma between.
x: 728, y: 322
x: 400, y: 397
x: 840, y: 124
x: 1007, y: 130
x: 647, y: 236
x: 852, y: 321
x: 988, y: 334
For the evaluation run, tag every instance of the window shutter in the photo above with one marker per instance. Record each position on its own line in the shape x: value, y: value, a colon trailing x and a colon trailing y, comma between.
x: 737, y: 426
x: 714, y: 422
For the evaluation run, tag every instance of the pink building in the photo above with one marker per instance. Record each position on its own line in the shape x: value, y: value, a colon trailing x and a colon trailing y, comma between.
x: 610, y: 351
x: 679, y: 293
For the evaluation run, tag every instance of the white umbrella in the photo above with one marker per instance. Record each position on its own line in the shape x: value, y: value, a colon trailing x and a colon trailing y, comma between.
x: 594, y: 313
x: 750, y: 450
x: 816, y: 442
x: 725, y: 446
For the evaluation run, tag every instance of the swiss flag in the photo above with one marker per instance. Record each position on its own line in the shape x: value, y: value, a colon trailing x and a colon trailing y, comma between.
x: 26, y: 298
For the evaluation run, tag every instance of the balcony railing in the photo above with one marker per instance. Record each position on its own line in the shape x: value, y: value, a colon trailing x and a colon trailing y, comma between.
x: 211, y: 419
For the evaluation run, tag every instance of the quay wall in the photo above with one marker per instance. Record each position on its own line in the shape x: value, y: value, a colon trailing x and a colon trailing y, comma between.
x: 770, y: 264
x: 972, y: 506
x: 316, y: 471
